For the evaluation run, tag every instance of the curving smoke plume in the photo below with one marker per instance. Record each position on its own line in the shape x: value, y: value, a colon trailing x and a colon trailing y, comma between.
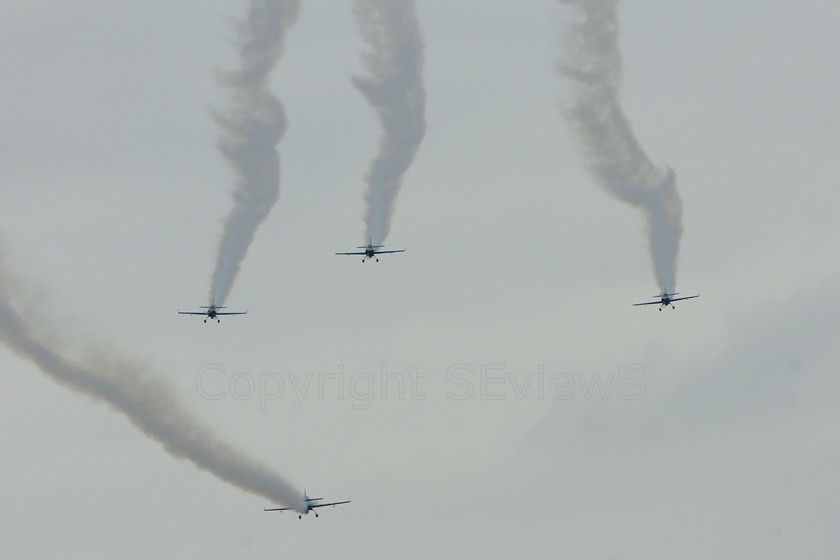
x: 148, y: 403
x: 614, y: 155
x: 394, y: 87
x: 251, y: 131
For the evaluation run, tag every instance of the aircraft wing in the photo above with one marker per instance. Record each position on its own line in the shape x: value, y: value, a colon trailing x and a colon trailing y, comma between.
x: 686, y: 297
x: 192, y: 313
x: 383, y: 252
x: 356, y: 253
x: 649, y: 303
x: 330, y: 504
x: 231, y: 313
x: 277, y: 509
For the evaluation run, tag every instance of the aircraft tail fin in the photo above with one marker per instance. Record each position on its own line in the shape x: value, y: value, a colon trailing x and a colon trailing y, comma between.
x: 370, y: 245
x: 665, y: 293
x: 307, y: 499
x: 212, y: 305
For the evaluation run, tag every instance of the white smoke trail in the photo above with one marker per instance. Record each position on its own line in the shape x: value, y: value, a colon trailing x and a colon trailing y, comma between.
x: 148, y: 403
x: 614, y: 155
x: 394, y: 87
x: 252, y: 130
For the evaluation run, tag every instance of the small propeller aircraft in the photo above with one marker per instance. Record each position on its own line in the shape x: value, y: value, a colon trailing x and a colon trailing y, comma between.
x: 212, y: 311
x: 370, y: 251
x: 666, y: 299
x: 309, y: 504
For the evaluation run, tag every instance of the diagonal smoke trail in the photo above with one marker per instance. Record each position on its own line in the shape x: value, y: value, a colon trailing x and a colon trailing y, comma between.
x: 613, y: 154
x: 252, y: 130
x: 394, y: 87
x: 148, y: 403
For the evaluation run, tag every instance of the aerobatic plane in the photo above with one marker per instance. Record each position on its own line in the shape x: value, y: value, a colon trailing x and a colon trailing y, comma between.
x: 666, y: 299
x: 310, y: 505
x: 212, y: 312
x: 370, y: 251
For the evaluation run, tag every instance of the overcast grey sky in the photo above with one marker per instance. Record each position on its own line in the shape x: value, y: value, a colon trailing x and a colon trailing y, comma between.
x: 541, y: 415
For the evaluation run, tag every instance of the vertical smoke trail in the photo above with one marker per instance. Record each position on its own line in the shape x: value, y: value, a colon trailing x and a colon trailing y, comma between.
x: 394, y: 88
x: 614, y: 155
x: 252, y: 130
x: 147, y: 402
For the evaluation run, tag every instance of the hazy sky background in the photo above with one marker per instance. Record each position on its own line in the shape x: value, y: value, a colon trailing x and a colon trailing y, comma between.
x: 717, y: 432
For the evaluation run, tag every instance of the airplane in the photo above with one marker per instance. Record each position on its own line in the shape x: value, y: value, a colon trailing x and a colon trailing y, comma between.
x: 370, y: 251
x: 212, y: 311
x: 310, y: 505
x: 666, y: 299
